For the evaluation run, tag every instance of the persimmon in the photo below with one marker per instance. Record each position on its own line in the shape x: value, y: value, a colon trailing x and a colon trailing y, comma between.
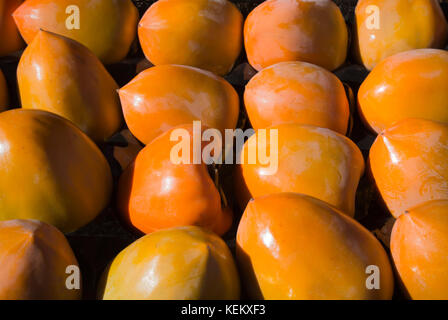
x: 297, y: 92
x: 303, y: 30
x: 106, y: 27
x: 292, y: 246
x: 11, y: 39
x: 408, y: 163
x: 183, y: 263
x: 34, y: 257
x: 50, y: 171
x: 3, y: 92
x: 166, y: 96
x: 60, y: 75
x: 206, y: 34
x: 155, y: 193
x: 386, y: 27
x: 311, y: 160
x: 412, y: 84
x: 419, y: 246
x: 126, y: 154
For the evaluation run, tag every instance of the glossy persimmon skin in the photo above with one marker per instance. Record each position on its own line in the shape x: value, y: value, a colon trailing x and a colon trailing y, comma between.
x: 403, y: 25
x: 419, y: 246
x: 296, y: 30
x: 34, y: 258
x: 4, y: 96
x: 163, y: 97
x: 291, y: 246
x: 11, y: 39
x: 155, y: 193
x: 60, y: 75
x: 206, y: 34
x: 412, y: 84
x: 297, y: 92
x: 50, y: 171
x: 314, y: 161
x: 183, y: 263
x: 408, y: 163
x: 107, y: 27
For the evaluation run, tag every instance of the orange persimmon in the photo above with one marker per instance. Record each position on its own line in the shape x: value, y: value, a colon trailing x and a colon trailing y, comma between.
x: 183, y: 263
x: 297, y: 92
x: 292, y: 246
x: 106, y: 27
x: 303, y: 30
x: 419, y: 246
x: 163, y: 97
x: 155, y: 192
x: 311, y: 160
x: 34, y: 257
x: 409, y: 163
x: 386, y: 27
x: 412, y: 84
x: 206, y: 34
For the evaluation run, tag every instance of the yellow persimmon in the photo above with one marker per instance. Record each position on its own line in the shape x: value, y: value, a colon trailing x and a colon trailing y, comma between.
x: 386, y: 27
x: 184, y: 263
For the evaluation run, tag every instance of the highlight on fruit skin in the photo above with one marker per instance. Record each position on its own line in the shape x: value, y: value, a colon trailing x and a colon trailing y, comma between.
x: 35, y: 257
x: 419, y: 246
x: 412, y: 84
x: 206, y: 34
x: 62, y: 76
x: 106, y: 27
x: 296, y: 30
x: 163, y: 97
x: 184, y: 263
x: 314, y: 161
x: 297, y: 92
x: 386, y: 27
x: 11, y: 41
x: 154, y: 192
x: 4, y: 96
x: 51, y: 171
x: 409, y: 164
x: 292, y: 246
